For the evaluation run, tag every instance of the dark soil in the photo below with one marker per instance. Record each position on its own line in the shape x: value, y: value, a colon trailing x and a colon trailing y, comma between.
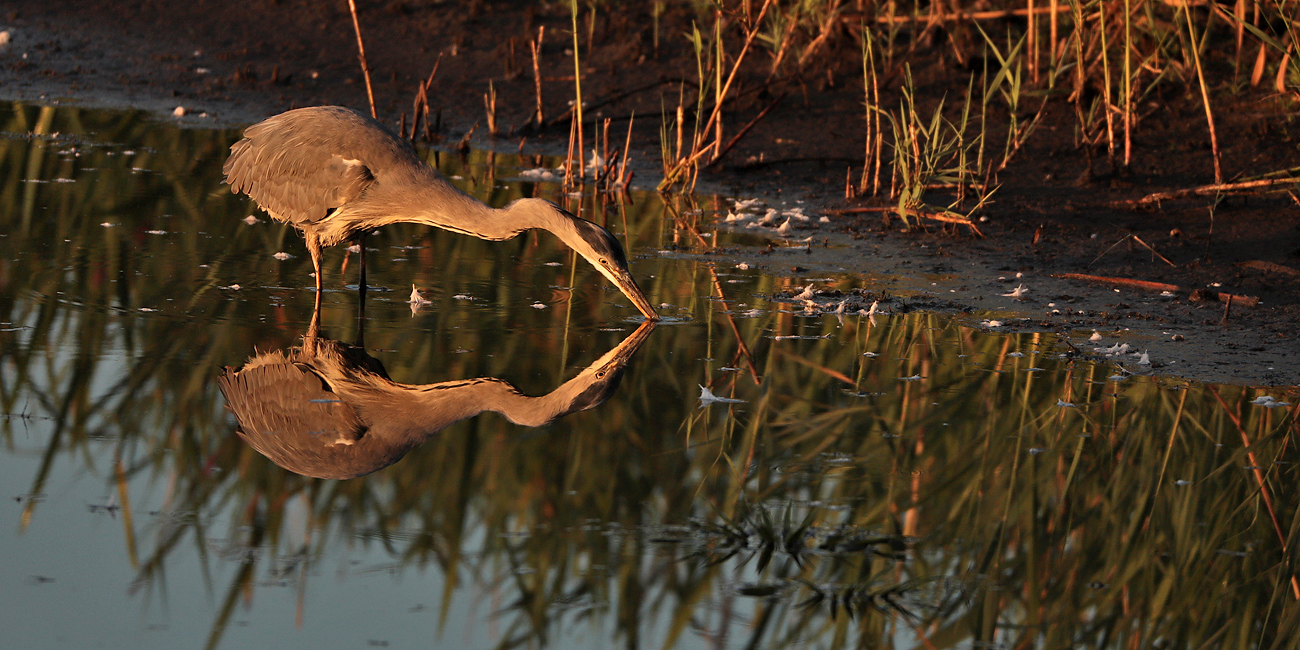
x: 1060, y: 208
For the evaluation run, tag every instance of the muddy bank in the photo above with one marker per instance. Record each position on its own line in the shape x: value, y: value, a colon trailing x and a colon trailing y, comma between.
x: 1059, y: 208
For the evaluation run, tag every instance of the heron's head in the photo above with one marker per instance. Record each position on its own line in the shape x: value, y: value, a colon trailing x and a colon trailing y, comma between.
x: 603, y: 251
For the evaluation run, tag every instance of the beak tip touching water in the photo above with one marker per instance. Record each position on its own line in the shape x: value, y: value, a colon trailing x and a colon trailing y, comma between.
x: 628, y: 286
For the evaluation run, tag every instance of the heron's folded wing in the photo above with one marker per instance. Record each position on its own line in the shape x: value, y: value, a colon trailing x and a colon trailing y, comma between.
x: 295, y: 171
x: 289, y: 402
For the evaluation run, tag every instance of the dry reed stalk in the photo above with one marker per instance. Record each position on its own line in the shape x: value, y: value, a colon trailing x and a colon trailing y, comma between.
x: 490, y: 104
x: 420, y: 106
x: 735, y: 68
x: 1261, y: 59
x: 681, y: 125
x: 361, y: 48
x: 1053, y: 13
x: 577, y: 86
x: 1106, y: 86
x: 1032, y: 35
x: 536, y: 47
x: 605, y: 146
x: 874, y: 141
x: 995, y: 14
x: 1205, y: 93
x: 568, y: 157
x: 623, y: 179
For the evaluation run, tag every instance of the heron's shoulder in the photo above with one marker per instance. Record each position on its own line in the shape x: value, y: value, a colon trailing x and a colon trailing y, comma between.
x: 337, y: 130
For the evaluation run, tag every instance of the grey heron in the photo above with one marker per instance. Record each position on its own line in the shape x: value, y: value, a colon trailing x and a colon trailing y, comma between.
x: 335, y: 175
x: 328, y: 410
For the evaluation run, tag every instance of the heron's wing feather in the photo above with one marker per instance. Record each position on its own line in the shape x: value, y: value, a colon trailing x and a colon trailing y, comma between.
x: 302, y: 164
x: 290, y: 402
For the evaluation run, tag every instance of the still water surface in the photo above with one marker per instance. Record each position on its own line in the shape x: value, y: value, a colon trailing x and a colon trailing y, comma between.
x: 907, y: 481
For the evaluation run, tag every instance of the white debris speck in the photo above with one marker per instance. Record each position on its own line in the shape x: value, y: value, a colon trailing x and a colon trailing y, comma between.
x: 538, y: 305
x: 1064, y: 404
x: 743, y: 266
x: 784, y: 228
x: 1015, y: 354
x: 461, y: 296
x: 202, y: 71
x: 839, y: 311
x: 806, y: 294
x: 870, y: 355
x: 1144, y: 360
x: 156, y: 232
x: 595, y: 163
x: 707, y: 397
x: 991, y: 323
x: 912, y: 378
x: 6, y: 37
x: 1096, y: 336
x: 107, y: 224
x: 824, y: 220
x: 282, y: 256
x: 539, y: 174
x: 354, y: 249
x: 1182, y: 483
x: 147, y: 309
x: 1268, y: 401
x: 179, y: 111
x: 748, y: 204
x: 1018, y: 293
x: 233, y: 287
x: 733, y: 216
x: 1116, y: 378
x: 250, y: 220
x: 552, y: 264
x: 416, y: 298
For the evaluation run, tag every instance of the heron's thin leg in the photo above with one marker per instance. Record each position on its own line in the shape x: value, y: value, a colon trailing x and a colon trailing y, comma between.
x: 313, y: 329
x: 361, y: 244
x: 313, y: 248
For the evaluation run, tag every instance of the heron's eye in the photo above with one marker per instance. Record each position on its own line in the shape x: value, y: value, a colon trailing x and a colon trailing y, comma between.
x: 600, y: 375
x: 604, y: 261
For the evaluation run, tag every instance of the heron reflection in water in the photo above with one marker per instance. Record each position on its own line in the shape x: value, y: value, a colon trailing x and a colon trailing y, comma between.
x: 335, y: 175
x: 328, y: 409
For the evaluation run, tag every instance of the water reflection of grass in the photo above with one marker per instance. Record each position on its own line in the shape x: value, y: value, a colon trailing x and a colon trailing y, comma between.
x: 944, y: 493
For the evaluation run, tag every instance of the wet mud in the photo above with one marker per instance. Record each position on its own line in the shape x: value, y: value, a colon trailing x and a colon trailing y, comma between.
x: 1061, y: 208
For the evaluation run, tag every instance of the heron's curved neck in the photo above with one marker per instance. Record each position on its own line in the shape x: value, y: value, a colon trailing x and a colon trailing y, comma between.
x: 441, y: 405
x: 468, y: 216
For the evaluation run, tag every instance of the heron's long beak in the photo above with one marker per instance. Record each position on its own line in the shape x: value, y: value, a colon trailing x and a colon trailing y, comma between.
x: 623, y: 280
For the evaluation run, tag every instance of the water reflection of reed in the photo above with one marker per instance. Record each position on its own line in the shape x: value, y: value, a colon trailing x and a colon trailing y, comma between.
x: 1031, y: 508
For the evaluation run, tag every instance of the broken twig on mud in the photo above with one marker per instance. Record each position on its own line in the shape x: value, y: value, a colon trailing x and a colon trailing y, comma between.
x: 1215, y: 188
x: 1249, y: 301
